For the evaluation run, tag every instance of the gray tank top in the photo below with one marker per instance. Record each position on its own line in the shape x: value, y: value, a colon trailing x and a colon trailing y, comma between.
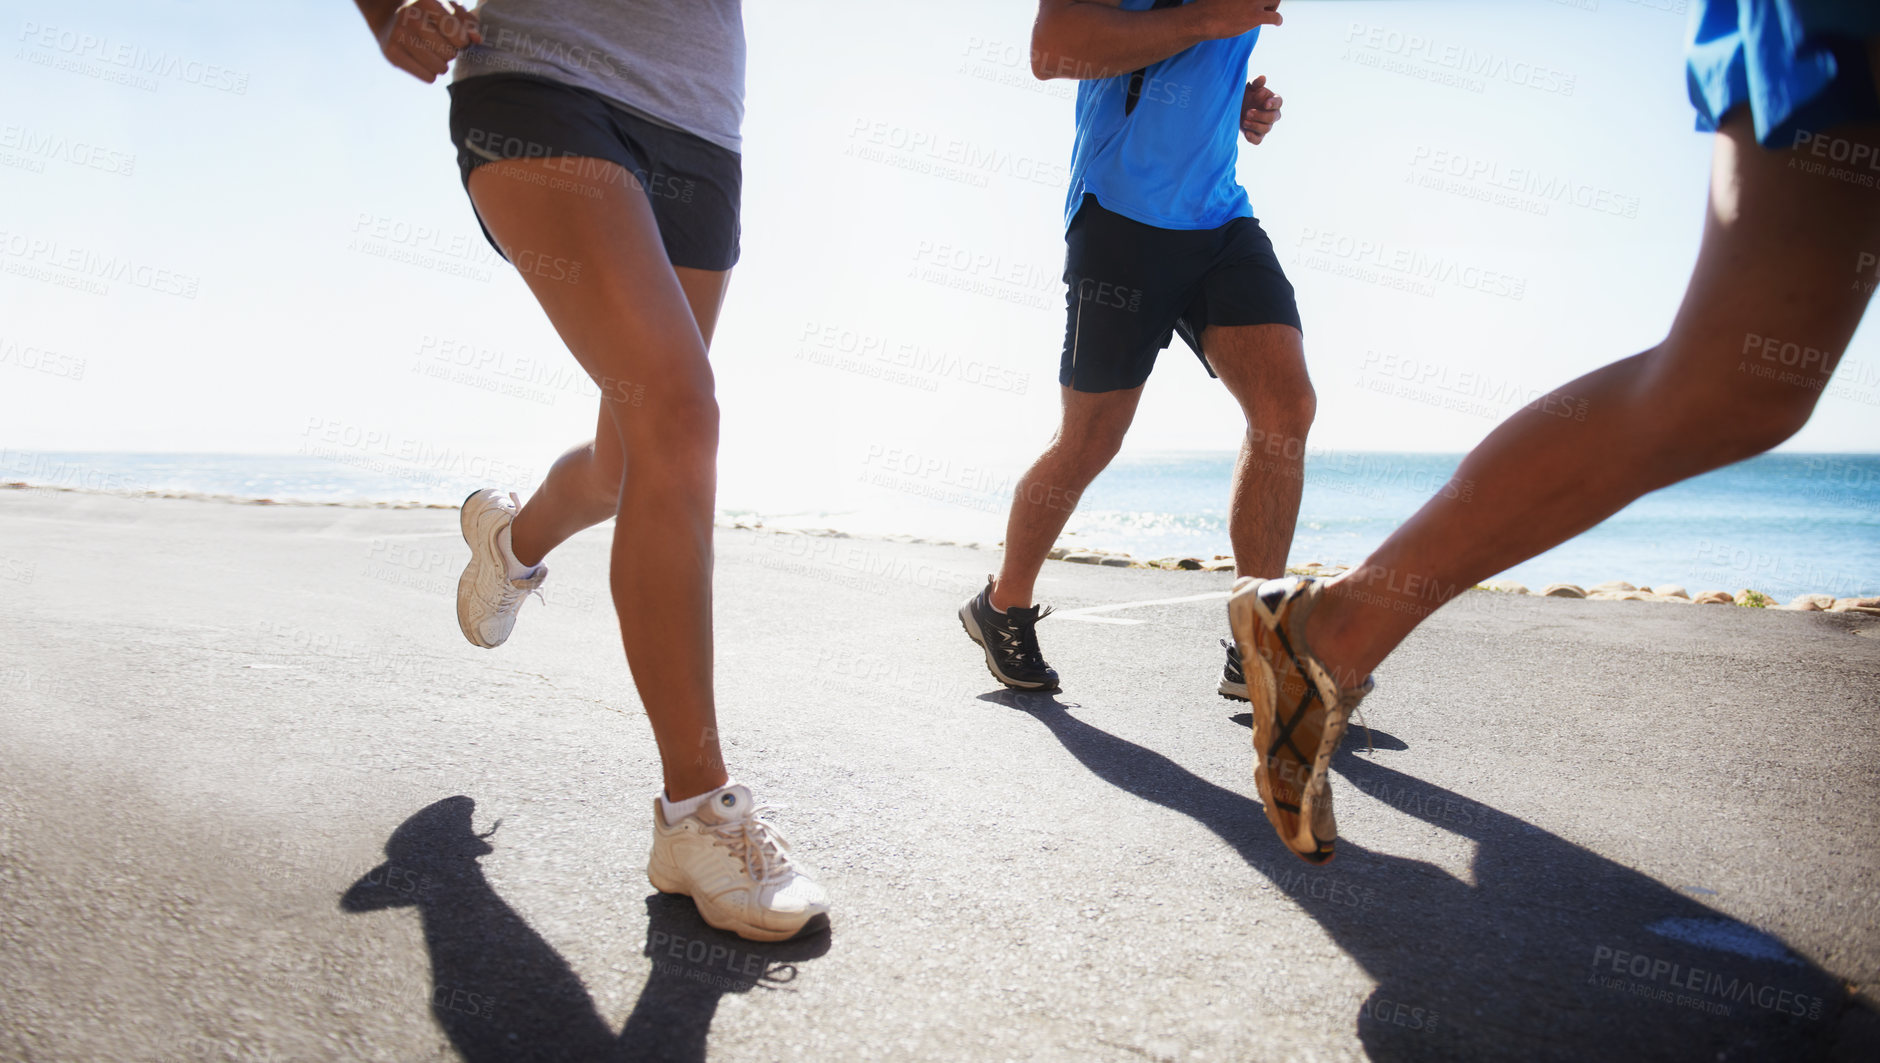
x: 677, y: 62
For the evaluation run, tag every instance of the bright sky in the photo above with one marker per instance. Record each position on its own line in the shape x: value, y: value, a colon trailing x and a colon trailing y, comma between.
x: 305, y: 258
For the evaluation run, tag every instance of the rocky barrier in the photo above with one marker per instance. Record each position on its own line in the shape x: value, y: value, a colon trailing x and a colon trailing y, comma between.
x: 1611, y: 591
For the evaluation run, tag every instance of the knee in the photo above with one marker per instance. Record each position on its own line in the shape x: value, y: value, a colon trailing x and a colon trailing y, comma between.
x: 676, y: 431
x: 1091, y: 451
x: 1740, y: 430
x: 1286, y: 416
x: 1722, y: 418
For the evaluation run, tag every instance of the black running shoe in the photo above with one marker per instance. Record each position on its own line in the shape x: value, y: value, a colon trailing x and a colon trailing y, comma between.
x: 1010, y: 640
x: 1233, y: 681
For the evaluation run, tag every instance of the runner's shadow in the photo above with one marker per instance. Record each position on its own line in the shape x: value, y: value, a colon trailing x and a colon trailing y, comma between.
x: 1519, y: 963
x: 501, y: 992
x: 1354, y: 737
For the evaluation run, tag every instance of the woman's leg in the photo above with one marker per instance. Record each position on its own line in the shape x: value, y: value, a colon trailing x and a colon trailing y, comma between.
x: 1775, y: 279
x: 582, y: 488
x: 594, y: 260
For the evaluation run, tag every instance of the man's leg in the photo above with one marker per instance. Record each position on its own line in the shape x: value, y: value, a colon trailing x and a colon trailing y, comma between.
x: 1264, y: 368
x: 1775, y: 280
x: 582, y: 488
x: 616, y: 302
x: 1089, y: 435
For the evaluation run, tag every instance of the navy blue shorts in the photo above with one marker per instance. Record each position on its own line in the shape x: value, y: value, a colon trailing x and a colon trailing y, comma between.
x: 692, y: 184
x: 1133, y: 286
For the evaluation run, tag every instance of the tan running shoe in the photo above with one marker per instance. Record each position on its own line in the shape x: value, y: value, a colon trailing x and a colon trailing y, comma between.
x: 737, y: 868
x: 487, y: 599
x: 1299, y: 713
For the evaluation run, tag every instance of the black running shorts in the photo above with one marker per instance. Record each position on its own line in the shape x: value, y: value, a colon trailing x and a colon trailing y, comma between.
x: 692, y: 184
x: 1133, y: 286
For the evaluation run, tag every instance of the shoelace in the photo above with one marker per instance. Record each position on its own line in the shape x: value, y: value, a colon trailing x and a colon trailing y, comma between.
x: 515, y: 590
x: 764, y: 850
x: 1025, y: 629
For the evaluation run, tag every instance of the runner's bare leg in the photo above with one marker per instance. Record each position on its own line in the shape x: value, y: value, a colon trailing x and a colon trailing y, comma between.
x: 596, y: 264
x: 1264, y: 368
x: 1777, y: 263
x: 582, y: 488
x: 1090, y: 434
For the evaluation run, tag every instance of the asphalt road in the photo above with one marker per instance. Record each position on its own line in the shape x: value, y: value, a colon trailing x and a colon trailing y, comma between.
x: 260, y: 801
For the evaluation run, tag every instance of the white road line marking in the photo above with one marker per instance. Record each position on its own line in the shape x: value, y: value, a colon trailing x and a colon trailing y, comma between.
x: 1089, y: 613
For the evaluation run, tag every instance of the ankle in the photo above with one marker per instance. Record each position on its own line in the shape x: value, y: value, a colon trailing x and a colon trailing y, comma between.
x: 676, y: 809
x: 695, y: 784
x: 1330, y: 636
x: 1005, y: 600
x: 522, y: 546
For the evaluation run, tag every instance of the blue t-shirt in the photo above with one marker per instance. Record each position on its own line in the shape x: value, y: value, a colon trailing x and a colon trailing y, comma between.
x: 1170, y: 162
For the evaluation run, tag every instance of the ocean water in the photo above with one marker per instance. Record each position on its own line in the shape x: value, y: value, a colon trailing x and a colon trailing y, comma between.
x: 1784, y: 524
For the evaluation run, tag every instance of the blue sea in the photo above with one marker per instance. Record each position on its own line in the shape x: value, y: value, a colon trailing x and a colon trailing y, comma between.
x: 1783, y: 524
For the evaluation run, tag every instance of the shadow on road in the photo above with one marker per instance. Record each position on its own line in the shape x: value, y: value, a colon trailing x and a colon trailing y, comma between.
x: 1553, y: 952
x: 500, y: 992
x: 1356, y: 736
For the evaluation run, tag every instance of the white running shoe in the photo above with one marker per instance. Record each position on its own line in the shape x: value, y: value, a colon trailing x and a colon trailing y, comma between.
x: 737, y: 868
x: 487, y: 599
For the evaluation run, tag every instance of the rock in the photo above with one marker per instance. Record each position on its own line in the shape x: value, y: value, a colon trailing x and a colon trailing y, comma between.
x: 1750, y: 599
x: 1812, y: 603
x: 1672, y: 590
x: 1083, y: 558
x: 1618, y: 596
x: 1058, y: 553
x: 1219, y: 564
x: 1714, y: 598
x: 1505, y: 586
x: 1191, y: 564
x: 1869, y: 606
x: 1117, y: 561
x: 1611, y: 587
x: 1562, y: 590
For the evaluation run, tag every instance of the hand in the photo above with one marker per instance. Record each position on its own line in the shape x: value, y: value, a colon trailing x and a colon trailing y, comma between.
x: 1231, y: 18
x: 423, y: 36
x: 1259, y: 109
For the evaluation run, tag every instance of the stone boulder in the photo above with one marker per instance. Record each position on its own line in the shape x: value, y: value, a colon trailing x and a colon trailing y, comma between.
x: 1812, y: 603
x: 1614, y: 586
x: 1219, y: 564
x: 1672, y: 590
x: 1715, y: 598
x: 1563, y: 590
x: 1869, y: 606
x: 1750, y: 599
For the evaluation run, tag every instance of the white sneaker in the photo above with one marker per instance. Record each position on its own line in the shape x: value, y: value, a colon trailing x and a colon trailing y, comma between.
x: 487, y: 599
x: 736, y: 867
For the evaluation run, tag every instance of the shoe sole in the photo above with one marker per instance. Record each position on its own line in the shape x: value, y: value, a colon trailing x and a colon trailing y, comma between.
x: 1232, y: 692
x: 973, y: 632
x: 1247, y: 616
x: 815, y: 924
x: 466, y: 583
